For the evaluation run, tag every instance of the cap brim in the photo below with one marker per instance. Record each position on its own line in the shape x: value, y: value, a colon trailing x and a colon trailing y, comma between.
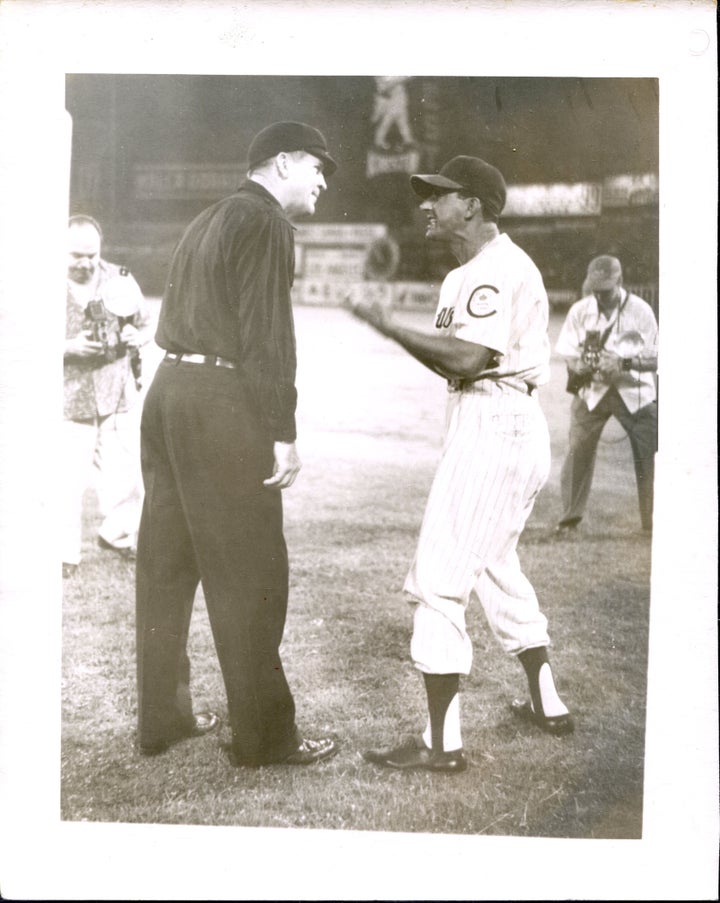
x: 329, y: 165
x: 602, y: 285
x: 424, y: 186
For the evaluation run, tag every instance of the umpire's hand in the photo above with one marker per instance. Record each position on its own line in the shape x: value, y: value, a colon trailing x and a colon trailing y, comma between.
x: 287, y: 466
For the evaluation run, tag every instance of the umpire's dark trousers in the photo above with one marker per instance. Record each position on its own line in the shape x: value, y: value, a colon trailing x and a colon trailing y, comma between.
x: 208, y: 519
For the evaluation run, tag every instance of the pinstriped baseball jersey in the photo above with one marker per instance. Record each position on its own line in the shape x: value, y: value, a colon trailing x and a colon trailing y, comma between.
x: 495, y: 460
x: 498, y: 299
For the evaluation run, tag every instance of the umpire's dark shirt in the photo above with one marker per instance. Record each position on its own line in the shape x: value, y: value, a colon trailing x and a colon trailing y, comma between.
x: 228, y: 294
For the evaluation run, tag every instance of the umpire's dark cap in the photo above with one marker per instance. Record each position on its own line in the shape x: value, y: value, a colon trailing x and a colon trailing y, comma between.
x: 603, y: 273
x: 469, y: 174
x: 288, y: 137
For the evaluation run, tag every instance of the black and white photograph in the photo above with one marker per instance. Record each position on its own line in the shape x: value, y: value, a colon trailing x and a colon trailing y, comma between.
x: 359, y: 517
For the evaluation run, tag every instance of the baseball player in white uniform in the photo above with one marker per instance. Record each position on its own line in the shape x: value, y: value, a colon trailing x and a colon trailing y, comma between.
x: 490, y: 342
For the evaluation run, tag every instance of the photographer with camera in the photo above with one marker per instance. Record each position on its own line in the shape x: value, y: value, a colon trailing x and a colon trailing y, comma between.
x: 609, y: 342
x: 105, y: 330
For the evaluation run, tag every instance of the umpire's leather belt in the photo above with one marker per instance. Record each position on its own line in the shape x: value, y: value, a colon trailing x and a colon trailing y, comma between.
x: 212, y: 360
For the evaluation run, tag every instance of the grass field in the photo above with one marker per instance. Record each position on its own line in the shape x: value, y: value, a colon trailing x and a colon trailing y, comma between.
x: 369, y: 422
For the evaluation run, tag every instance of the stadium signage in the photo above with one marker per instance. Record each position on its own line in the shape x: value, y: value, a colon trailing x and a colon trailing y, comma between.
x: 340, y: 233
x: 379, y: 164
x: 335, y: 292
x: 335, y: 250
x: 185, y: 181
x: 579, y: 199
x: 630, y: 190
x: 582, y: 198
x: 333, y: 263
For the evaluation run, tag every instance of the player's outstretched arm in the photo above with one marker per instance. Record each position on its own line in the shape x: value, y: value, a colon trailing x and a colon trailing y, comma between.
x: 445, y: 355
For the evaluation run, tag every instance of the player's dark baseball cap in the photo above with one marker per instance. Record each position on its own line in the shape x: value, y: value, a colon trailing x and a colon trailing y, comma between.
x: 603, y: 273
x: 290, y: 136
x: 469, y: 174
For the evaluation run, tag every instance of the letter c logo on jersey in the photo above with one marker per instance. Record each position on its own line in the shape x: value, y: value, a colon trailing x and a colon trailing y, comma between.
x: 482, y: 302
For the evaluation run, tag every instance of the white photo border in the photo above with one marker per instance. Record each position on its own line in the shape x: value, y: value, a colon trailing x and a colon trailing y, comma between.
x: 673, y: 41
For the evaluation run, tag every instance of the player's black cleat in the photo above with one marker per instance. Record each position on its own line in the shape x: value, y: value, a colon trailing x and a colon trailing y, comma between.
x: 415, y: 755
x: 559, y: 725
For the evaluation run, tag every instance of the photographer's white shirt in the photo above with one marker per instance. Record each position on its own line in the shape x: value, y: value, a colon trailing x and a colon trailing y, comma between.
x: 636, y: 388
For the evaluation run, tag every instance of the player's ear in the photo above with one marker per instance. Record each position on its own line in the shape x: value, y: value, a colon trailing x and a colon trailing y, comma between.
x: 473, y: 207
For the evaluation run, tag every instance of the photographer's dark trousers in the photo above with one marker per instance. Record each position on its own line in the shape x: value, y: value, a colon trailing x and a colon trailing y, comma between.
x: 579, y: 465
x: 208, y: 519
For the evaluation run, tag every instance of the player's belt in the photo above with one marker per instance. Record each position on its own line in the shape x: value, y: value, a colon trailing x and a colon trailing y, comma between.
x: 212, y: 360
x: 486, y: 386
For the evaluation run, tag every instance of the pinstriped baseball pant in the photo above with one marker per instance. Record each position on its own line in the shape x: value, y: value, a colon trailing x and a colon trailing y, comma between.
x: 495, y: 460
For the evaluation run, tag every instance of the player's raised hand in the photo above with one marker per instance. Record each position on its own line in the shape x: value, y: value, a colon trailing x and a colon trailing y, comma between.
x: 287, y: 466
x: 372, y: 312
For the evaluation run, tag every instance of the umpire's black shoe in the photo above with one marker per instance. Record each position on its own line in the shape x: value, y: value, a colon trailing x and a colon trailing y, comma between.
x: 305, y: 753
x: 415, y: 755
x: 558, y: 725
x: 203, y: 723
x: 309, y: 751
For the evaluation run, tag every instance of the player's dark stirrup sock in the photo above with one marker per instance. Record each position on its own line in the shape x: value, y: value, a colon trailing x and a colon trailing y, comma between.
x: 440, y: 689
x: 544, y: 697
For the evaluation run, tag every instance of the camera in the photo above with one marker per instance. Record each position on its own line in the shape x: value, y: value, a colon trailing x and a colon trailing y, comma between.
x: 591, y: 349
x: 105, y: 328
x: 101, y: 330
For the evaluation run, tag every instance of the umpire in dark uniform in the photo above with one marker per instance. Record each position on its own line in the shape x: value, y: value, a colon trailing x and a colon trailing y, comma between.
x: 218, y: 446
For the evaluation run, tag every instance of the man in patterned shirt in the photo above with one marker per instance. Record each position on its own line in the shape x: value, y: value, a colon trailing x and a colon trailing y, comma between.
x: 105, y: 319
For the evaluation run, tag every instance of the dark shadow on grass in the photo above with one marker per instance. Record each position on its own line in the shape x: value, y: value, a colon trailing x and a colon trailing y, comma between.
x: 582, y: 536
